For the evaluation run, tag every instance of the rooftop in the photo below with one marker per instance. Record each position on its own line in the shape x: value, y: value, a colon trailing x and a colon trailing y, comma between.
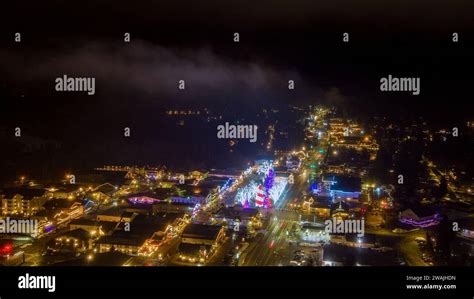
x: 141, y: 228
x: 192, y: 249
x: 158, y: 193
x: 59, y: 203
x: 101, y: 259
x: 105, y: 225
x: 421, y: 211
x: 106, y: 188
x: 77, y: 233
x: 66, y: 187
x: 345, y: 183
x: 235, y: 212
x: 191, y: 190
x: 201, y: 231
x: 116, y: 211
x: 340, y: 206
x: 123, y: 238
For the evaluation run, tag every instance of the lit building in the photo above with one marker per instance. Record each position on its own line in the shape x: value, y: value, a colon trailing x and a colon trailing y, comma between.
x: 69, y: 191
x: 172, y: 207
x: 180, y: 194
x: 95, y: 228
x: 143, y: 236
x: 199, y: 241
x: 22, y: 201
x: 150, y: 197
x: 74, y: 241
x: 343, y: 186
x: 419, y: 217
x: 340, y: 211
x: 320, y: 206
x: 63, y: 209
x: 122, y: 242
x: 314, y: 233
x: 104, y: 193
x: 106, y: 259
x: 115, y: 215
x: 239, y: 215
x: 293, y: 163
x: 340, y: 255
x: 191, y: 193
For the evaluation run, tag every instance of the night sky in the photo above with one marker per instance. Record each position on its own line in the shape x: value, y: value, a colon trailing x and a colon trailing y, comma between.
x: 193, y: 41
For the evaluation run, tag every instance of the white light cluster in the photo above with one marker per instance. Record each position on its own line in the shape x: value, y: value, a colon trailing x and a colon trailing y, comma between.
x: 248, y: 192
x: 278, y: 188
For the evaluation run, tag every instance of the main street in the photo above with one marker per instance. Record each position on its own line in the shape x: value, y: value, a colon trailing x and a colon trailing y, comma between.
x: 271, y: 247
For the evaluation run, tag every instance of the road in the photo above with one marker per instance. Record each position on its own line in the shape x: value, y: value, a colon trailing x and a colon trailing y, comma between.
x: 272, y: 247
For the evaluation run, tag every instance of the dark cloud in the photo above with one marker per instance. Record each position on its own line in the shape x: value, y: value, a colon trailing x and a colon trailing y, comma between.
x: 146, y: 69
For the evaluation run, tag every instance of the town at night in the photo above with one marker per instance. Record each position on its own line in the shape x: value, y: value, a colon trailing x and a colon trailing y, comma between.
x: 346, y: 194
x: 236, y: 141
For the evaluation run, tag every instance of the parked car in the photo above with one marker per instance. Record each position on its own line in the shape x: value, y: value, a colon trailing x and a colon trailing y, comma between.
x: 299, y: 252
